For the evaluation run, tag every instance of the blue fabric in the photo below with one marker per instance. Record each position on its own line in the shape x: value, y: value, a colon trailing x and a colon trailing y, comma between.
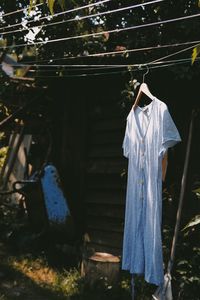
x: 55, y: 202
x: 149, y: 133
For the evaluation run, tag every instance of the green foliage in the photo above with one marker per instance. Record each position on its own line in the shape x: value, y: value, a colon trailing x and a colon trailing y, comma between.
x: 3, y: 113
x: 186, y: 268
x: 195, y: 53
x: 194, y: 222
x: 3, y: 42
x: 186, y: 276
x: 50, y: 4
x: 3, y: 152
x: 62, y: 4
x: 149, y: 36
x: 197, y: 192
x: 128, y: 95
x: 31, y: 4
x: 69, y: 282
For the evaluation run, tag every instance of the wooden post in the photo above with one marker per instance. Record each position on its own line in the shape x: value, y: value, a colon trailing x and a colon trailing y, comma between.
x: 99, y: 266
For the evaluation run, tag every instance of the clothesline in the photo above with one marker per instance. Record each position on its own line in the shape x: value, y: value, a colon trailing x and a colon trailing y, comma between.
x: 101, y: 73
x: 61, y: 13
x: 118, y: 30
x: 164, y: 65
x: 77, y: 19
x: 124, y: 51
x: 157, y: 61
x: 173, y: 54
x: 20, y: 10
x: 109, y: 67
x: 115, y: 52
x: 89, y: 66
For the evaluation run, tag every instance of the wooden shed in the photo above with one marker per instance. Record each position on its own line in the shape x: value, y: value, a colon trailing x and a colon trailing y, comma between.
x: 89, y: 137
x: 90, y: 121
x: 88, y: 118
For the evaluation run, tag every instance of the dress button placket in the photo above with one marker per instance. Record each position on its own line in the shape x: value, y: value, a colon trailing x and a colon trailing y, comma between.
x: 142, y: 168
x: 143, y: 157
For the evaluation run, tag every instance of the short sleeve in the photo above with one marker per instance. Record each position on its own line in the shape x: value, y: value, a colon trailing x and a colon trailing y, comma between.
x: 170, y: 134
x: 126, y: 141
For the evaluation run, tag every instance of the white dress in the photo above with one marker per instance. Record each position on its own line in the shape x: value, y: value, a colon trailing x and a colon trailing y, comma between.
x: 150, y: 131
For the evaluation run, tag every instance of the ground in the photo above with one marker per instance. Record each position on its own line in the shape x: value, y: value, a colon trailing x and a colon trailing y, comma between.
x: 31, y: 269
x: 39, y: 267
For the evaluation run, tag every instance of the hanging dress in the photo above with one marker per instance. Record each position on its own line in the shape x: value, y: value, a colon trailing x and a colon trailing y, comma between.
x: 150, y: 131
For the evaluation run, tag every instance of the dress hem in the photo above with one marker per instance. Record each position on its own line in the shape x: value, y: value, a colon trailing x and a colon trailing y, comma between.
x: 145, y: 278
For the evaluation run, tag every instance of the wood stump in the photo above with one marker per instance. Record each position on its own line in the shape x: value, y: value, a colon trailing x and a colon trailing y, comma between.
x: 101, y: 266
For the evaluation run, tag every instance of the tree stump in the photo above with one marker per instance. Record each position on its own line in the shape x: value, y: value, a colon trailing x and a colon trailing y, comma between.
x: 101, y: 266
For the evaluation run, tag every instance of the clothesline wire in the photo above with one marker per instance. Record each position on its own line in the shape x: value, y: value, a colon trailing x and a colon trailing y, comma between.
x: 89, y: 65
x: 173, y: 54
x: 103, y: 32
x: 116, y: 52
x: 111, y: 73
x: 60, y: 13
x: 179, y: 62
x: 99, y: 65
x: 136, y: 67
x: 19, y: 10
x: 83, y: 18
x: 126, y: 69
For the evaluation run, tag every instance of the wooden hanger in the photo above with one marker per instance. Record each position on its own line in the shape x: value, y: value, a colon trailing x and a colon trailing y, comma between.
x: 143, y: 90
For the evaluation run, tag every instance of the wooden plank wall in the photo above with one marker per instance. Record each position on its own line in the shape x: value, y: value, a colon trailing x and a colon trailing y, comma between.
x: 105, y: 183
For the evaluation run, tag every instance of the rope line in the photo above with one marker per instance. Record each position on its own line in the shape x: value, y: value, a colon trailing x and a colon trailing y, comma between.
x: 59, y: 14
x: 112, y: 72
x: 82, y: 18
x: 120, y: 52
x: 102, y: 32
x: 19, y: 10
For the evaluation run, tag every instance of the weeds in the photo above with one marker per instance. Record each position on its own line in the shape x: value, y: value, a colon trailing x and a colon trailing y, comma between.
x: 69, y: 283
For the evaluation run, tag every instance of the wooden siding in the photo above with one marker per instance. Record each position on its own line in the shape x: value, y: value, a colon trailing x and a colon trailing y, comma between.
x: 105, y: 180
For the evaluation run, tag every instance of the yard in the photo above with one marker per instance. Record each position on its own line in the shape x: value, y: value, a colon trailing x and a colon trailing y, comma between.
x: 70, y: 73
x: 33, y: 269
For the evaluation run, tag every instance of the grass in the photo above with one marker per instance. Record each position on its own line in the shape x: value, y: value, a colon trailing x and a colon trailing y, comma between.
x: 27, y: 273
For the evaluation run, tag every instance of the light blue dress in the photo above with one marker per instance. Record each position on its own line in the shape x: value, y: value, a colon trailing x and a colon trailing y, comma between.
x: 150, y: 131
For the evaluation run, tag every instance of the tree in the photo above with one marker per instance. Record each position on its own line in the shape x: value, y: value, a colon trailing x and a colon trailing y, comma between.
x: 42, y: 15
x: 175, y: 32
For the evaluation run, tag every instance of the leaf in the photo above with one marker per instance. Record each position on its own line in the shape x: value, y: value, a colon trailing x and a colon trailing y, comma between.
x: 3, y: 42
x: 120, y: 48
x: 62, y: 4
x: 21, y: 72
x: 106, y: 36
x: 31, y: 51
x: 31, y: 4
x: 14, y: 56
x: 51, y: 5
x: 199, y: 3
x: 195, y: 221
x: 197, y: 191
x: 195, y: 53
x: 182, y: 262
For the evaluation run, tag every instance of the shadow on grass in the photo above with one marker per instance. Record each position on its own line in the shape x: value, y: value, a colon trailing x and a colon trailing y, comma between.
x: 15, y: 285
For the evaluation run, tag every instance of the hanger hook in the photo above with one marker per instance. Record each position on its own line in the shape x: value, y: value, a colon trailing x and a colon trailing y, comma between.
x: 130, y: 69
x: 145, y: 73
